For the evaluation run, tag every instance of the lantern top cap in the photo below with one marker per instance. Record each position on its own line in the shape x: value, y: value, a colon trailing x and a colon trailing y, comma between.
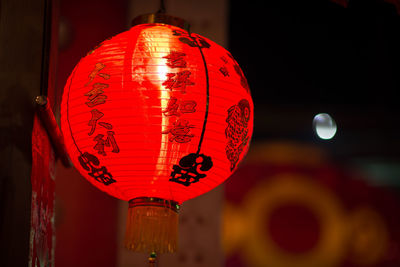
x: 161, y: 18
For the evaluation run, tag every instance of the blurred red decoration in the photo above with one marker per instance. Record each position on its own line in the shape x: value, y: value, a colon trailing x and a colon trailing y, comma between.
x: 296, y: 207
x: 156, y: 116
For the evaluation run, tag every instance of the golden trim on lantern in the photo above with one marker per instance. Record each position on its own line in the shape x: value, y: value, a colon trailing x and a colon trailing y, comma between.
x: 152, y: 225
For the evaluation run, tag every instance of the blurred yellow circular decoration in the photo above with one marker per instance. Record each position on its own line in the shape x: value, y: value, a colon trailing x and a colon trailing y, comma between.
x: 259, y: 246
x: 233, y: 228
x: 368, y: 237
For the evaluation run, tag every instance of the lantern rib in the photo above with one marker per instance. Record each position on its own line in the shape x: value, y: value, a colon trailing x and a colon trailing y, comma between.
x: 207, y: 96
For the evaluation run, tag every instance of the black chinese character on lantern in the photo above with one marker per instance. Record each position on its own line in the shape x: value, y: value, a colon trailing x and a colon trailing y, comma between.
x: 237, y: 131
x: 176, y: 60
x: 109, y: 141
x: 192, y: 40
x: 191, y: 169
x: 224, y: 71
x: 90, y: 162
x: 180, y: 132
x: 178, y: 81
x: 96, y: 72
x: 176, y: 108
x: 224, y: 59
x: 96, y: 115
x: 96, y: 95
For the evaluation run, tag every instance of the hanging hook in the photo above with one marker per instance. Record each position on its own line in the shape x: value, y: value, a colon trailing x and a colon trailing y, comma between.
x: 162, y: 7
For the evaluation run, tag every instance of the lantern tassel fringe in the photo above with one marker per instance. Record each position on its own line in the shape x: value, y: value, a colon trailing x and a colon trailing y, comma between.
x: 152, y: 228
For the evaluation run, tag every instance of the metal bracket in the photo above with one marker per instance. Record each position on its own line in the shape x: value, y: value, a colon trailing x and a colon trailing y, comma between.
x: 46, y: 116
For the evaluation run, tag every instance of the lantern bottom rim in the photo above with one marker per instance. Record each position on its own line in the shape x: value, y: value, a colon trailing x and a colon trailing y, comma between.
x: 154, y: 201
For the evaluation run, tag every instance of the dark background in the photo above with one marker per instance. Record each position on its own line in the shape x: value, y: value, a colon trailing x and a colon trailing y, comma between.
x: 338, y: 57
x: 302, y: 58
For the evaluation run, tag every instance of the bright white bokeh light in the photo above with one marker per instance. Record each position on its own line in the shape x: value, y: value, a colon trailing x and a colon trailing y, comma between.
x: 324, y: 126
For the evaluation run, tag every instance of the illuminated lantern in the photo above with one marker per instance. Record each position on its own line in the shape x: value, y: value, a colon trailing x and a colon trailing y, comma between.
x: 156, y: 116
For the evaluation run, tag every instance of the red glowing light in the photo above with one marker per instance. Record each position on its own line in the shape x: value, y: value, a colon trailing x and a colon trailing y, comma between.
x: 156, y: 112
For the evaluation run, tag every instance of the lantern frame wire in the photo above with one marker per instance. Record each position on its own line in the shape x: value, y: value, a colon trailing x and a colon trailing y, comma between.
x: 162, y: 7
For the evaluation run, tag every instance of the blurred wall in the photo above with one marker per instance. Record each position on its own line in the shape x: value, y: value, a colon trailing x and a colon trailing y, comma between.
x: 21, y: 59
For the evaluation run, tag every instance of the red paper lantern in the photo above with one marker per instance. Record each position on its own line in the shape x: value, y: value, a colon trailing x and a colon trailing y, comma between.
x: 156, y: 116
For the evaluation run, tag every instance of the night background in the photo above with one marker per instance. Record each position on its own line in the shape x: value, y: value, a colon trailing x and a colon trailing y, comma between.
x: 296, y: 200
x: 306, y: 57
